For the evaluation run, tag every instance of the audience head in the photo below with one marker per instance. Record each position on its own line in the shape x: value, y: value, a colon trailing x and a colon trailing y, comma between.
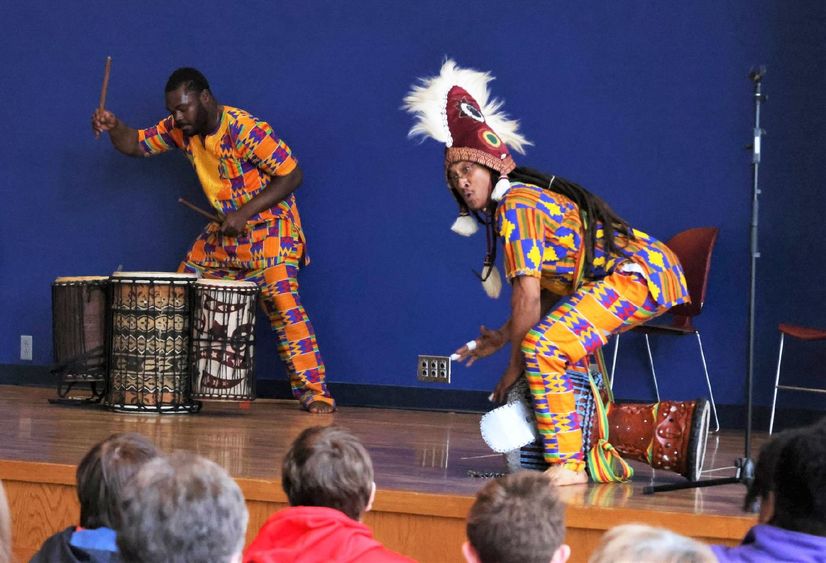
x: 637, y: 543
x: 517, y: 518
x: 5, y: 527
x: 799, y: 492
x: 181, y: 509
x: 103, y: 474
x: 328, y: 466
x: 763, y: 484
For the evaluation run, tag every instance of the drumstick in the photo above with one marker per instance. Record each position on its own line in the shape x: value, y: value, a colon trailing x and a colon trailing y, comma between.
x: 105, y: 83
x: 196, y: 209
x: 103, y: 89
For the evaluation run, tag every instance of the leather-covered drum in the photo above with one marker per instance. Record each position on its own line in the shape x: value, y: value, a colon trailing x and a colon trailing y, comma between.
x: 223, y: 338
x: 669, y: 435
x: 149, y: 360
x: 79, y: 332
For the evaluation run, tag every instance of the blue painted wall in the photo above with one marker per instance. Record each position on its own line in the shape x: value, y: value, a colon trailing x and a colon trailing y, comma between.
x: 646, y: 103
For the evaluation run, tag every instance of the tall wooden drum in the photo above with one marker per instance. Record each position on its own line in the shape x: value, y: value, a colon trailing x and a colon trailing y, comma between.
x: 223, y: 337
x: 79, y: 333
x: 149, y: 358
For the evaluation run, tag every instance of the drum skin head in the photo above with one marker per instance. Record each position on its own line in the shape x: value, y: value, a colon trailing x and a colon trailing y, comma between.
x: 76, y: 279
x: 700, y: 424
x: 230, y: 284
x: 155, y: 275
x: 508, y: 428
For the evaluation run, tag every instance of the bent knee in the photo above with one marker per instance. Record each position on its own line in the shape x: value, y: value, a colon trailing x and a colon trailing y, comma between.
x: 544, y: 353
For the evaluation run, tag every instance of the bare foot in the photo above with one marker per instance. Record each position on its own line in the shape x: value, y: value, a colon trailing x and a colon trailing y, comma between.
x: 320, y: 407
x: 561, y: 476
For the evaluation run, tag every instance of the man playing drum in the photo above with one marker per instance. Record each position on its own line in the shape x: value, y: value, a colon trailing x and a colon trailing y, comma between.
x: 249, y: 175
x: 559, y: 240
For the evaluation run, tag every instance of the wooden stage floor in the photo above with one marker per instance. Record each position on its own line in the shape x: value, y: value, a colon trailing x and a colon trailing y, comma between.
x: 422, y: 461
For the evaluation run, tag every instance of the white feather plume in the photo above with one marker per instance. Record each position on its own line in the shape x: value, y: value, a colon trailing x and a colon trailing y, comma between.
x: 464, y: 225
x: 427, y: 99
x: 493, y: 285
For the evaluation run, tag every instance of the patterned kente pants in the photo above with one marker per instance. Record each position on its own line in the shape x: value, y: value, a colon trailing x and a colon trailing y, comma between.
x: 578, y: 325
x: 296, y: 339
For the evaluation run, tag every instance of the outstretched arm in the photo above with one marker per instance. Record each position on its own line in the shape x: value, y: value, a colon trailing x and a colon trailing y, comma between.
x: 123, y: 137
x: 491, y: 341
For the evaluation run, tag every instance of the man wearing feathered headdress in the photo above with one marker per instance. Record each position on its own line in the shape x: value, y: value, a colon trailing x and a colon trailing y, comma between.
x: 579, y: 272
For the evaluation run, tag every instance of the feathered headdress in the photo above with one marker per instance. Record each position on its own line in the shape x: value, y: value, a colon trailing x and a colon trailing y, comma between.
x: 455, y: 108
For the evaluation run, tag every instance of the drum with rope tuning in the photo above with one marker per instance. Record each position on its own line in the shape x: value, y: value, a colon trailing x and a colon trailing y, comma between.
x: 79, y: 333
x: 149, y: 358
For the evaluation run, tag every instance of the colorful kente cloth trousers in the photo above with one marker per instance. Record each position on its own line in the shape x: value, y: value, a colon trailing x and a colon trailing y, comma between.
x: 296, y: 339
x: 578, y: 325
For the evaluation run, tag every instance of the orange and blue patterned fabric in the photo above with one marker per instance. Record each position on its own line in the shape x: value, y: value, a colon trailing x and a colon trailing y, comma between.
x: 542, y: 234
x: 261, y: 246
x: 234, y: 164
x: 578, y: 325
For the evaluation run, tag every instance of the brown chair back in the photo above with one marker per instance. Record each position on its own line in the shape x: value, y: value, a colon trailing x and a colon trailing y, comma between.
x: 693, y: 247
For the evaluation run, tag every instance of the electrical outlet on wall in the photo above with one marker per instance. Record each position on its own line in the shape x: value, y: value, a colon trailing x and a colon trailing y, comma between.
x: 25, y: 347
x: 435, y: 369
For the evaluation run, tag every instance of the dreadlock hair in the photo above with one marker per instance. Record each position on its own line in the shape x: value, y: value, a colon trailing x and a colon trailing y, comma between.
x: 592, y: 209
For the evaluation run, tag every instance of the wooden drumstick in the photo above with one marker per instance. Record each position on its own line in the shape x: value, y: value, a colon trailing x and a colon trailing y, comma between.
x: 196, y: 209
x: 105, y: 83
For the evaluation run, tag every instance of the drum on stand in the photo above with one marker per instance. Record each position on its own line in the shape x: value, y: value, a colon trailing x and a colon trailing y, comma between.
x: 223, y: 338
x: 79, y: 334
x: 149, y: 358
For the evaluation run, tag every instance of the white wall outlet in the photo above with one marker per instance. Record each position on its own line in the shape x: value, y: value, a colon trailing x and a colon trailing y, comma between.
x: 25, y: 347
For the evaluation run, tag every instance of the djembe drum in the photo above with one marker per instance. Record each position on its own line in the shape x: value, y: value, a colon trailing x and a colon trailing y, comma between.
x: 149, y: 367
x: 223, y: 339
x: 669, y: 435
x: 79, y: 333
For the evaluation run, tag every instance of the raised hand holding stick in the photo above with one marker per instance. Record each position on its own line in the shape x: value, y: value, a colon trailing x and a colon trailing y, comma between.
x: 103, y: 89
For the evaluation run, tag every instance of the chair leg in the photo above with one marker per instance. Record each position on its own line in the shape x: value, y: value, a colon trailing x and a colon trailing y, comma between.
x: 614, y: 363
x: 708, y: 383
x: 776, y: 383
x: 651, y: 363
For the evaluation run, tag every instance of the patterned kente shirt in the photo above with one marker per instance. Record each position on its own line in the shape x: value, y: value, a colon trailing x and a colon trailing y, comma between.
x: 543, y: 238
x: 234, y: 164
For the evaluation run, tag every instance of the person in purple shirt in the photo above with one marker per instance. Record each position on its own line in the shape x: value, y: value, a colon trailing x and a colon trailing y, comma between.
x: 790, y: 484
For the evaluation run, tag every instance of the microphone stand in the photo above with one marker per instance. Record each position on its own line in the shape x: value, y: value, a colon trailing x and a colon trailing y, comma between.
x: 744, y: 466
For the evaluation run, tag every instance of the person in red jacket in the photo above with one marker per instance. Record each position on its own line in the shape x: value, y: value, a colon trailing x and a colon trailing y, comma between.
x: 328, y: 477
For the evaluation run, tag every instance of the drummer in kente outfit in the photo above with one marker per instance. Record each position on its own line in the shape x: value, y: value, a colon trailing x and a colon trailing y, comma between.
x: 249, y: 175
x: 579, y: 273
